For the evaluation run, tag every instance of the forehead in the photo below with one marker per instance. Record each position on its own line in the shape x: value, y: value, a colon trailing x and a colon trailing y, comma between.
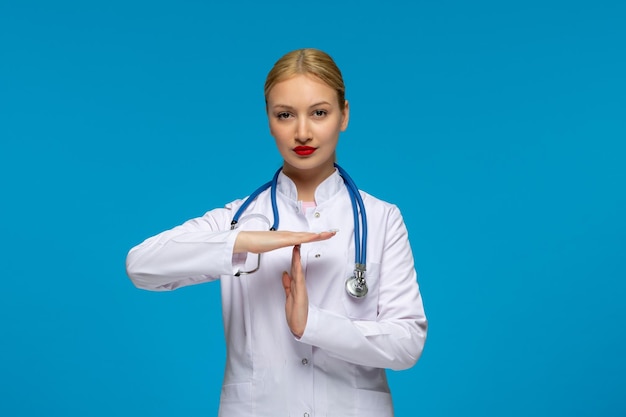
x: 301, y: 88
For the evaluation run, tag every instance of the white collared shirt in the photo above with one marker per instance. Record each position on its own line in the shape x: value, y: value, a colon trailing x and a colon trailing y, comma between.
x: 337, y: 367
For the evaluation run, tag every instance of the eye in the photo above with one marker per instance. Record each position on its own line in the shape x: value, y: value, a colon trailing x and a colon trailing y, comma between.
x: 283, y: 115
x: 320, y: 113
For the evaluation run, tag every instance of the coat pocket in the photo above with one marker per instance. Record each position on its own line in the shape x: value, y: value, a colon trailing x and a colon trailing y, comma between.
x: 236, y: 399
x: 373, y: 403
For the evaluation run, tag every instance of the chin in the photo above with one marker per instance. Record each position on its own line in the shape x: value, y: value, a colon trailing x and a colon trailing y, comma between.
x: 309, y: 164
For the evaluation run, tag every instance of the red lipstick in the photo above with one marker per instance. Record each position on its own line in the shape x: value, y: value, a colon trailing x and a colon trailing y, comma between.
x: 304, y: 150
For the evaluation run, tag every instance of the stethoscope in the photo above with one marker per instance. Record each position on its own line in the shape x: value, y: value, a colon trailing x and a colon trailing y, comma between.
x: 356, y: 285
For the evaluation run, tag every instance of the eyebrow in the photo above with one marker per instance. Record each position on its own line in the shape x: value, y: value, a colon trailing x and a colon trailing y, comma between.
x: 285, y: 106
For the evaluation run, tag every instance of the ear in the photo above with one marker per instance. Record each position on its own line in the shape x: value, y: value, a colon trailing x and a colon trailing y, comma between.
x: 345, y: 118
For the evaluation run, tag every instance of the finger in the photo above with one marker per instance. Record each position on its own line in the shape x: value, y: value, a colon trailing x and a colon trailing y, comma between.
x: 327, y: 234
x: 297, y: 238
x: 316, y: 237
x: 287, y: 284
x: 296, y: 264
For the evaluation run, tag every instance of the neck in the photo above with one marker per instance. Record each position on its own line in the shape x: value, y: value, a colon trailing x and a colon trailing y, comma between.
x: 308, y: 180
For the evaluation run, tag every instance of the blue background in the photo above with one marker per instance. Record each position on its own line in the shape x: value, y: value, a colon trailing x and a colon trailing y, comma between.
x: 498, y: 128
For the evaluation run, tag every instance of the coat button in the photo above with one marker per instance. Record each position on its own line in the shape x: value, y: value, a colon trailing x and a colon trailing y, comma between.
x: 305, y: 361
x: 317, y: 255
x: 317, y: 214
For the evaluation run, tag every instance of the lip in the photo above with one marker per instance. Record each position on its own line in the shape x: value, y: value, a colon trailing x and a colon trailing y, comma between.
x: 304, y: 150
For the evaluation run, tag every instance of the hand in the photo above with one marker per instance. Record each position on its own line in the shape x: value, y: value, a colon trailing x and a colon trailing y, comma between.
x: 297, y: 298
x: 260, y: 242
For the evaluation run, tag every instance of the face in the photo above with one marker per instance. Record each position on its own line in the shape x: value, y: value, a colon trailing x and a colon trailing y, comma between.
x: 305, y: 120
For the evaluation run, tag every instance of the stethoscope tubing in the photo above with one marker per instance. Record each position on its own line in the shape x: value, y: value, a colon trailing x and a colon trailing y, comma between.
x: 358, y: 210
x: 360, y: 244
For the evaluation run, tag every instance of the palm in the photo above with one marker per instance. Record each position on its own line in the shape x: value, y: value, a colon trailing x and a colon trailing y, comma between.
x: 261, y: 242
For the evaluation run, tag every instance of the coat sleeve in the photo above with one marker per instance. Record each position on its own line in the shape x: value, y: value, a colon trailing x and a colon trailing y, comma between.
x: 395, y: 339
x: 199, y: 250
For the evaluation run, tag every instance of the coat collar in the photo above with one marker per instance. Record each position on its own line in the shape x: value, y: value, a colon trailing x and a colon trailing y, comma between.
x: 325, y: 191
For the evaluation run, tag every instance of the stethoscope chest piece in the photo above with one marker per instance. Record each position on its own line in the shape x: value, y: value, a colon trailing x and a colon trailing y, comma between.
x: 356, y: 285
x: 355, y: 288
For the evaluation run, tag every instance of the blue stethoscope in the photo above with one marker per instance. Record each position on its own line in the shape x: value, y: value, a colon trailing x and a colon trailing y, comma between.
x: 356, y: 285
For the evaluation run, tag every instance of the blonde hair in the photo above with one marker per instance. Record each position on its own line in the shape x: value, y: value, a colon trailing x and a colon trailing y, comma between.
x: 307, y: 61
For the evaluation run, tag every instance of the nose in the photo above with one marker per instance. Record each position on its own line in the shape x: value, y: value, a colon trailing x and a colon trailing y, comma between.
x: 303, y: 133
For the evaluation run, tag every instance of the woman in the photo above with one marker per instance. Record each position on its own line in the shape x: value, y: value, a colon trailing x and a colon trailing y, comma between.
x: 298, y: 344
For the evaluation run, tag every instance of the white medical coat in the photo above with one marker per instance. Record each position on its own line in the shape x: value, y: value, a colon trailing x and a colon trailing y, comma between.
x: 337, y: 367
